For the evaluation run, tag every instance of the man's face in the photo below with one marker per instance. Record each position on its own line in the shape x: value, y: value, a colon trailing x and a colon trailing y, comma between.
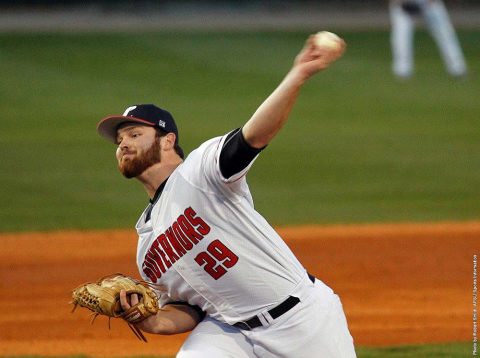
x: 138, y: 149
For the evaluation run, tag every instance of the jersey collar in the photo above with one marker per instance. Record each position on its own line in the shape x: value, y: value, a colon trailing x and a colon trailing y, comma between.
x: 153, y: 200
x: 158, y: 192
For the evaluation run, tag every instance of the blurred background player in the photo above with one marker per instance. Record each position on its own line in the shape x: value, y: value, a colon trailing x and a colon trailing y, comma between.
x: 403, y: 15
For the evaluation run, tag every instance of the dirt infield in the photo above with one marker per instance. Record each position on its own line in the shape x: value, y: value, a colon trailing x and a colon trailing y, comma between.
x: 398, y: 283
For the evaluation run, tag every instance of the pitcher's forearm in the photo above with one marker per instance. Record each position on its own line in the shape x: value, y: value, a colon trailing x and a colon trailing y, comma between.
x: 172, y: 319
x: 273, y: 113
x: 318, y: 54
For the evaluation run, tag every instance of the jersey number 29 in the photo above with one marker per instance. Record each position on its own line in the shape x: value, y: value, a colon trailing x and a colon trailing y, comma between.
x: 217, y: 259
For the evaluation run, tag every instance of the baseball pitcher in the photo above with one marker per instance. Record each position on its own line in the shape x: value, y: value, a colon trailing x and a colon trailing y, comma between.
x: 218, y: 268
x: 403, y: 14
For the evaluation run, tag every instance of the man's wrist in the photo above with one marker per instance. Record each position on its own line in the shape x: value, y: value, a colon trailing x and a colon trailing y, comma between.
x: 296, y: 77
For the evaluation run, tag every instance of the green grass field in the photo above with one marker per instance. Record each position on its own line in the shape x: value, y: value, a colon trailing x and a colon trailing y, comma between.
x: 360, y: 146
x: 453, y: 350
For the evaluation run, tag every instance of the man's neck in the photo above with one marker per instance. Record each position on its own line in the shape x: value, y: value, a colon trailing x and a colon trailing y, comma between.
x: 154, y: 176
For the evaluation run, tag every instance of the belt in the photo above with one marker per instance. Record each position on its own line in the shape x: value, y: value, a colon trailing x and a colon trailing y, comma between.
x: 275, y: 312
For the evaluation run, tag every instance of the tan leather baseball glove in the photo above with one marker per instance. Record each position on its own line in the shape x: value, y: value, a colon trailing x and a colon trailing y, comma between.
x: 103, y: 298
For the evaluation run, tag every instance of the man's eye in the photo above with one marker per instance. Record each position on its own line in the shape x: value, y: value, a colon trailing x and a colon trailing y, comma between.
x: 135, y: 135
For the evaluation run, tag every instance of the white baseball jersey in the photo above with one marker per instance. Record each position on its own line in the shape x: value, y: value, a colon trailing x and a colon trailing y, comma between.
x: 205, y: 244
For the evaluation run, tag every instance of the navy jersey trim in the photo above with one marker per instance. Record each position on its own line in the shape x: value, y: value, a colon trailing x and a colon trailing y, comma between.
x: 155, y: 199
x: 236, y: 154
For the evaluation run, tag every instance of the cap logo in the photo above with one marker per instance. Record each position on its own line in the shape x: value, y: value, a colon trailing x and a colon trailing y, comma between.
x: 161, y: 123
x: 128, y: 110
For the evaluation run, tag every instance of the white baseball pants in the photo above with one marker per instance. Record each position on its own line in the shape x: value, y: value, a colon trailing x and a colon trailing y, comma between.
x: 440, y: 27
x: 316, y: 327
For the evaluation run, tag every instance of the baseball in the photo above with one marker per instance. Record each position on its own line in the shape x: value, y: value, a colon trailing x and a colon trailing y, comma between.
x: 327, y: 39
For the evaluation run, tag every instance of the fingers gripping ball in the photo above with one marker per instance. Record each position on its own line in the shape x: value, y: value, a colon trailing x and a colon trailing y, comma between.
x: 103, y: 298
x: 328, y: 40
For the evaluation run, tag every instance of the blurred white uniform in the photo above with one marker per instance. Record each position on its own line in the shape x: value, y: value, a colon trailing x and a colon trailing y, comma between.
x: 438, y: 23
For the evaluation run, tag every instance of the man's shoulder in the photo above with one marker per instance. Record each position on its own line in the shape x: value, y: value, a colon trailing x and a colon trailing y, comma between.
x: 201, y: 161
x: 204, y: 148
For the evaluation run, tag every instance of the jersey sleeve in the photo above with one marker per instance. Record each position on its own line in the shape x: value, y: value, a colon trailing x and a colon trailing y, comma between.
x: 231, y: 159
x: 236, y: 154
x: 202, y: 166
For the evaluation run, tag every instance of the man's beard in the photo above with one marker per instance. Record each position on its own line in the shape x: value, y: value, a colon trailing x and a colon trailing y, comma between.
x: 137, y: 165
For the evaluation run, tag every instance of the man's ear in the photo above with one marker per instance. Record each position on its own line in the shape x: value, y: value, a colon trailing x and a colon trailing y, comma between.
x: 168, y: 141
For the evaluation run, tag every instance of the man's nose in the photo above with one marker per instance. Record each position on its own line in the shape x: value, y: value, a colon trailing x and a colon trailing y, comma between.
x: 124, y: 144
